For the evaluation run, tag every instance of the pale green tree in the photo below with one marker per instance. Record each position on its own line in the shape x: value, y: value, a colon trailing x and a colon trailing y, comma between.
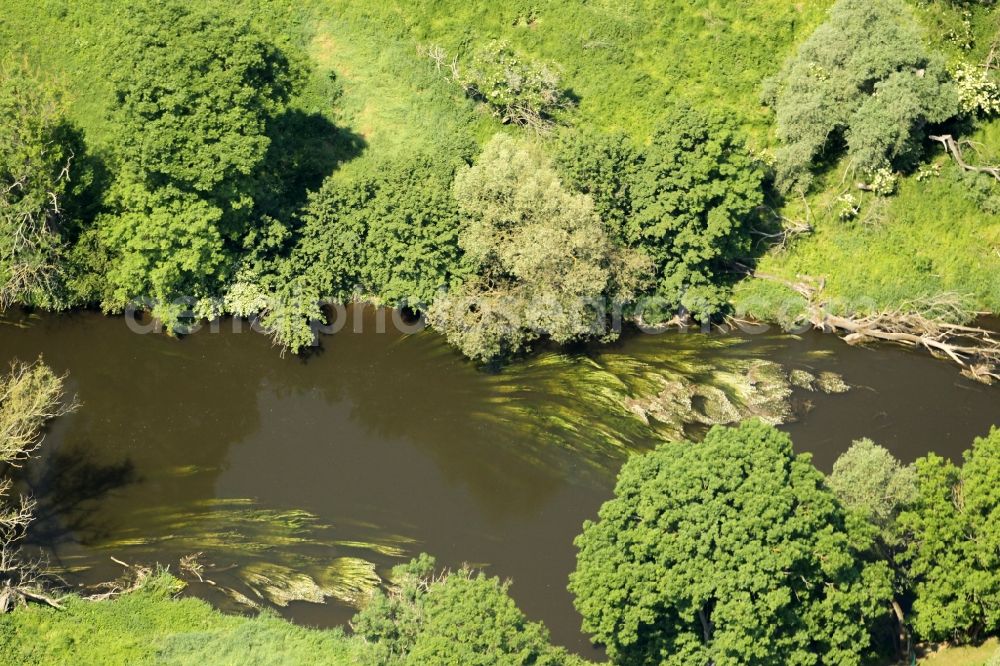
x: 869, y: 481
x: 864, y: 77
x: 31, y: 395
x: 541, y: 260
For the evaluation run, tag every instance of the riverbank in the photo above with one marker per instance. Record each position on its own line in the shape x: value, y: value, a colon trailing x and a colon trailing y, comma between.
x: 150, y: 626
x: 214, y: 443
x: 939, y: 233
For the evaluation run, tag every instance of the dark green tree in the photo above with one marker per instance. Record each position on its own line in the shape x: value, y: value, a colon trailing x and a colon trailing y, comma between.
x: 729, y: 551
x: 391, y: 236
x: 953, y: 558
x: 695, y: 191
x: 601, y: 165
x: 453, y: 618
x: 194, y: 92
x: 864, y: 77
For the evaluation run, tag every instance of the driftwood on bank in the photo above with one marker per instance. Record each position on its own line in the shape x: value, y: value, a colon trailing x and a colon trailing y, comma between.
x: 976, y: 350
x: 954, y: 149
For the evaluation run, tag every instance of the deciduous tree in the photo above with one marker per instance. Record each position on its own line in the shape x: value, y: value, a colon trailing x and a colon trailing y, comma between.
x: 692, y: 197
x: 194, y: 92
x: 953, y: 558
x: 542, y: 260
x: 729, y: 551
x: 864, y: 77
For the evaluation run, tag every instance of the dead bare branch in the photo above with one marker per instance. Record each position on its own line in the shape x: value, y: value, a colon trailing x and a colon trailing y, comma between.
x: 955, y: 150
x: 920, y: 325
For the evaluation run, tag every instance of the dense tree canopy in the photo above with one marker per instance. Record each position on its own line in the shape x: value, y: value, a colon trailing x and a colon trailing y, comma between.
x: 391, y: 236
x: 191, y: 113
x: 953, y: 558
x: 864, y: 77
x: 36, y: 160
x: 870, y: 482
x: 542, y: 261
x: 453, y: 618
x: 603, y: 166
x: 692, y: 199
x: 193, y: 105
x: 730, y: 551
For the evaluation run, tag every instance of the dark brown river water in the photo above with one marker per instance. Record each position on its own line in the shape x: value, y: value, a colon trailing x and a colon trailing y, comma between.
x: 383, y: 445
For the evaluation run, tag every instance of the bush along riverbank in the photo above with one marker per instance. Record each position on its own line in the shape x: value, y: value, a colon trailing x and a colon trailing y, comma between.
x: 518, y: 201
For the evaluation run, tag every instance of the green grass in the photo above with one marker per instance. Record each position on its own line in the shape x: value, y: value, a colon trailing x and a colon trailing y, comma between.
x: 931, y: 237
x: 623, y: 59
x: 149, y: 627
x: 963, y: 656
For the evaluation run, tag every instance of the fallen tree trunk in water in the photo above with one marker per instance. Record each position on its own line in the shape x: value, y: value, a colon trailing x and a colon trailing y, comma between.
x: 976, y: 350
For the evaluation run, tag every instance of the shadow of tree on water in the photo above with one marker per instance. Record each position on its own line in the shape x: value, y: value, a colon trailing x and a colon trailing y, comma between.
x: 66, y: 490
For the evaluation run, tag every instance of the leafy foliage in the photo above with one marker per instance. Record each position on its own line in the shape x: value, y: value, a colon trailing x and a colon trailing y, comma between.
x: 731, y: 551
x: 168, y: 244
x: 864, y: 77
x: 192, y: 109
x: 868, y: 479
x: 517, y: 90
x: 391, y: 236
x: 542, y: 260
x: 978, y: 90
x: 692, y: 198
x: 454, y: 618
x: 36, y: 158
x: 953, y: 558
x: 602, y: 165
x: 191, y: 116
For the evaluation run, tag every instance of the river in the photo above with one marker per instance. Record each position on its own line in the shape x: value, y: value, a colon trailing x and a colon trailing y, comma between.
x: 297, y: 477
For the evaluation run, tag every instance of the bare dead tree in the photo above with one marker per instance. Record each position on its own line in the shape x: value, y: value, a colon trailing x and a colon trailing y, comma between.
x: 923, y: 324
x: 954, y: 148
x: 30, y: 396
x: 435, y: 53
x: 788, y: 230
x: 133, y: 577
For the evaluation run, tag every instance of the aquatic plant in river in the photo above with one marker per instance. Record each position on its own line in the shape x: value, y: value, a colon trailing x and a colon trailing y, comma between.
x: 255, y: 556
x: 603, y: 403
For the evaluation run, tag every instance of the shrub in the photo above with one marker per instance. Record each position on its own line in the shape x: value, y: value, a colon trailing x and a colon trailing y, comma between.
x: 452, y: 618
x: 864, y: 77
x: 517, y: 90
